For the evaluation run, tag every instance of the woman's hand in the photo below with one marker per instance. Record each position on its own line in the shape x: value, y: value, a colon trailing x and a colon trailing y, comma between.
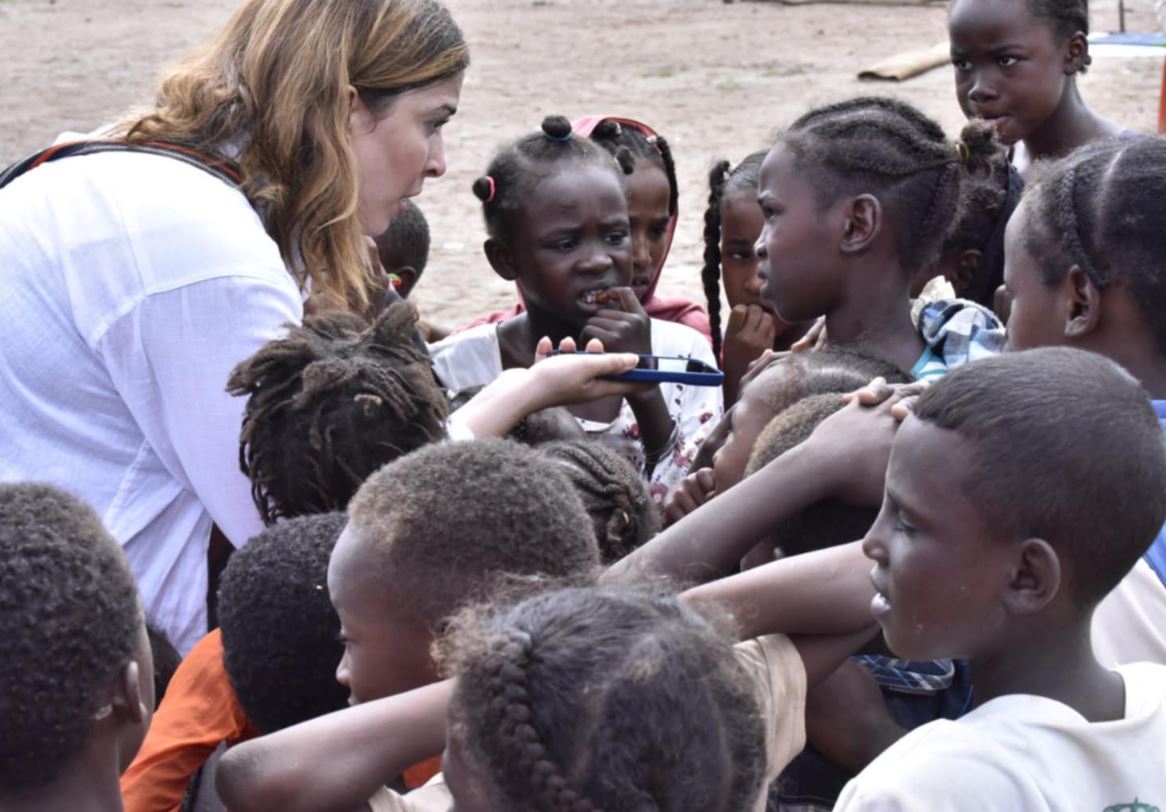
x: 750, y: 333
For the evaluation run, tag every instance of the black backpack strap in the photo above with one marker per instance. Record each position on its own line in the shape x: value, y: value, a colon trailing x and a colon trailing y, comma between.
x: 223, y: 169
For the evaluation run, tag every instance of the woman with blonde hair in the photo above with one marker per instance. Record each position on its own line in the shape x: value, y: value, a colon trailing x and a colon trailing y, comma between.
x: 139, y: 270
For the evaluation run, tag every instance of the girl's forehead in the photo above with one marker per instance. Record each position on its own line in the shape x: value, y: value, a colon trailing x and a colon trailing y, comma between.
x: 995, y: 21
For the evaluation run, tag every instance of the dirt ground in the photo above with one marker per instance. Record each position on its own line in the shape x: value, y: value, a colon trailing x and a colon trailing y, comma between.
x: 717, y: 79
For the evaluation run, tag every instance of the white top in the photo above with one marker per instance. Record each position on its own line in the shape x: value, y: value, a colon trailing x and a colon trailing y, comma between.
x: 1129, y: 625
x: 474, y: 358
x: 780, y: 677
x: 132, y: 284
x: 1023, y: 752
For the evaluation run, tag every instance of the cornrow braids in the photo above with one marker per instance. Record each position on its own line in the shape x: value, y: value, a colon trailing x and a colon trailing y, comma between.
x: 1101, y: 209
x: 888, y: 148
x: 605, y: 698
x: 723, y: 184
x: 329, y: 404
x: 517, y: 167
x: 616, y: 138
x: 613, y: 493
x: 1067, y: 17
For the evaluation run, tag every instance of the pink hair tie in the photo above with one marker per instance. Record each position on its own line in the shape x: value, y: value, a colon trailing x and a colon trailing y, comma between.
x: 493, y: 188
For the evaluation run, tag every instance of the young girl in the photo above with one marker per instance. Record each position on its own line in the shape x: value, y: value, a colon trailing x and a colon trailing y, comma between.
x: 732, y: 224
x: 1016, y: 65
x: 653, y: 196
x: 557, y: 220
x: 856, y: 198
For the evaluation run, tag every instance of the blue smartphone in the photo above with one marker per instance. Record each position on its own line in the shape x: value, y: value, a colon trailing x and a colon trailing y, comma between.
x: 669, y: 369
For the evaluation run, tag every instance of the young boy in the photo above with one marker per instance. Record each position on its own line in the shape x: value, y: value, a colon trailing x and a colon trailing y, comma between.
x: 1019, y: 493
x: 427, y: 534
x: 403, y: 248
x: 75, y: 660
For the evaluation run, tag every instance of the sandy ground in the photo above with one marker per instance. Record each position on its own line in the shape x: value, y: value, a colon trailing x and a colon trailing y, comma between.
x: 717, y: 79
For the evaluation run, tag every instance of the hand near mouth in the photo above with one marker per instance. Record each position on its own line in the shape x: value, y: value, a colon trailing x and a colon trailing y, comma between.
x: 622, y: 325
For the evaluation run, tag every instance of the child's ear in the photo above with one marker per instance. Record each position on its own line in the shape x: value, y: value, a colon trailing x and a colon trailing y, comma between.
x: 863, y: 218
x: 408, y: 280
x: 1077, y: 54
x: 1036, y: 579
x: 965, y: 270
x: 1084, y: 304
x: 127, y: 699
x: 500, y: 259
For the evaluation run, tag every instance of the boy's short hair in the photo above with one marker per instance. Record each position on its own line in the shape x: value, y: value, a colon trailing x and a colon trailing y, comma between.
x: 826, y: 523
x: 613, y: 494
x: 166, y: 661
x: 69, y: 619
x: 450, y: 520
x: 1065, y: 446
x: 281, y: 636
x: 405, y: 243
x: 329, y: 404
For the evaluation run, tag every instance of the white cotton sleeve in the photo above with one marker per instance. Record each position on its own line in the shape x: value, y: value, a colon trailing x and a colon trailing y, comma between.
x: 170, y: 357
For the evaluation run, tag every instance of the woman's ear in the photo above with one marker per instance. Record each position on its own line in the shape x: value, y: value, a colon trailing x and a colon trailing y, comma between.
x: 1077, y: 56
x: 864, y: 216
x: 498, y: 254
x: 1036, y: 579
x: 359, y: 117
x: 1084, y: 310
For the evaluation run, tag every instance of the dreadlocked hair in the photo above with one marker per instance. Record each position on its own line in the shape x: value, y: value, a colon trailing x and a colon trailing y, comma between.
x: 723, y: 184
x: 615, y: 138
x: 888, y: 148
x: 1101, y: 209
x: 331, y: 403
x: 613, y: 493
x: 530, y: 159
x: 606, y: 699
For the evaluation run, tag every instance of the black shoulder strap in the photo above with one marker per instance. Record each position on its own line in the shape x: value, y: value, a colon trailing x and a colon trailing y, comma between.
x: 223, y: 169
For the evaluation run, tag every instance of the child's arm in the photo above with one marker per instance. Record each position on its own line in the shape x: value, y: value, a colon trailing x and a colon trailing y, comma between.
x: 845, y: 458
x: 335, y: 763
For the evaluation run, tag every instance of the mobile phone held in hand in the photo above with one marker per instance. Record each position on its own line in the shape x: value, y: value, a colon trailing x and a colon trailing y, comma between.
x: 669, y: 369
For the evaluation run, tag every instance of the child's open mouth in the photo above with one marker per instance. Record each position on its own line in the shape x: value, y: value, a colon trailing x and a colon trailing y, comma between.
x: 595, y: 298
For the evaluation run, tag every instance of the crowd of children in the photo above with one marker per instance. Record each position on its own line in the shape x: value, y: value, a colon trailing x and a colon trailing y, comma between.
x: 908, y: 554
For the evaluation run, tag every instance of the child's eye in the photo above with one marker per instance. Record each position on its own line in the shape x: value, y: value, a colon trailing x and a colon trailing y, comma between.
x: 617, y: 238
x: 741, y: 256
x: 656, y: 232
x: 903, y: 527
x: 1008, y: 61
x: 565, y: 245
x: 962, y: 65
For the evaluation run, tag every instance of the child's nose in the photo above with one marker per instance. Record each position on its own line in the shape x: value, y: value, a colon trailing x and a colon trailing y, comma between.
x: 342, y: 671
x: 641, y: 256
x: 982, y: 90
x: 759, y: 247
x: 597, y: 261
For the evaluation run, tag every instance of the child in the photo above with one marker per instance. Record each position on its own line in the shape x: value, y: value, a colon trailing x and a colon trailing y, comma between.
x: 403, y: 248
x: 1084, y: 256
x: 336, y: 398
x: 732, y: 224
x: 446, y: 525
x: 772, y: 390
x: 856, y: 199
x: 1028, y: 485
x: 558, y: 223
x: 1016, y: 65
x: 653, y: 195
x: 613, y: 494
x: 271, y: 665
x: 77, y: 669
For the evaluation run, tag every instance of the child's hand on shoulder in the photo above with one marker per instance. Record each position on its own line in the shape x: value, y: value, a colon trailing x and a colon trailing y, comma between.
x: 622, y: 325
x: 852, y: 447
x: 692, y: 492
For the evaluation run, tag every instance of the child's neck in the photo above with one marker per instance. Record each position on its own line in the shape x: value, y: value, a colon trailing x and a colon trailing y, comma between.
x: 1056, y: 664
x: 519, y: 336
x: 879, y: 320
x: 1070, y: 126
x: 76, y: 791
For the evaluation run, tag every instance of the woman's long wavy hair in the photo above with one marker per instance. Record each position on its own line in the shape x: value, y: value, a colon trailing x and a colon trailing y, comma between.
x: 272, y: 92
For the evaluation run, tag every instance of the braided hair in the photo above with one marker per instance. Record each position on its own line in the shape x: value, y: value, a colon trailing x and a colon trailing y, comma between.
x: 1067, y: 18
x: 888, y: 148
x: 1101, y: 209
x: 516, y: 168
x: 606, y: 699
x: 723, y: 184
x: 329, y: 404
x: 613, y: 494
x: 617, y: 138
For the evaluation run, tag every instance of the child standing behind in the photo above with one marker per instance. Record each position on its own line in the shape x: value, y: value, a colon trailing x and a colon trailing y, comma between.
x: 557, y: 219
x: 1016, y: 66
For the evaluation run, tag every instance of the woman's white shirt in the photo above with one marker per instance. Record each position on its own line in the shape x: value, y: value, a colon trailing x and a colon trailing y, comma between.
x: 131, y: 286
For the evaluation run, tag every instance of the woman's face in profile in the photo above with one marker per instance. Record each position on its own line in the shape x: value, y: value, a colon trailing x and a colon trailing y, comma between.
x: 398, y: 149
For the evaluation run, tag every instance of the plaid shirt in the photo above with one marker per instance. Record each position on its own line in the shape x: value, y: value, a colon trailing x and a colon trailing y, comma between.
x: 958, y: 331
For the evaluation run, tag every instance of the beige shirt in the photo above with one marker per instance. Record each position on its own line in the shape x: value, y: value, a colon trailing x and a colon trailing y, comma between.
x: 781, y: 684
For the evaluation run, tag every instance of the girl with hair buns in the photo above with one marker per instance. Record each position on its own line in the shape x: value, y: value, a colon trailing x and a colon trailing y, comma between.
x: 139, y: 272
